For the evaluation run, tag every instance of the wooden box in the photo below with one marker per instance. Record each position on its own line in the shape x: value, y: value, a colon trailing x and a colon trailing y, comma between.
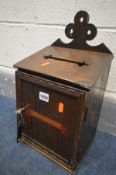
x: 59, y: 93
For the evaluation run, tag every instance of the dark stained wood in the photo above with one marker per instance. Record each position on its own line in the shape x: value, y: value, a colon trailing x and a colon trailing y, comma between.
x: 84, y: 76
x: 45, y: 134
x: 62, y: 125
x: 93, y: 105
x: 80, y: 123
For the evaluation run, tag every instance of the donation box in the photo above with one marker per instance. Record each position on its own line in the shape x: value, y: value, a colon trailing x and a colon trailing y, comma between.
x: 59, y: 93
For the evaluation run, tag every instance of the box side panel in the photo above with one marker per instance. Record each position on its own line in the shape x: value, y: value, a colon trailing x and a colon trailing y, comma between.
x: 92, y: 114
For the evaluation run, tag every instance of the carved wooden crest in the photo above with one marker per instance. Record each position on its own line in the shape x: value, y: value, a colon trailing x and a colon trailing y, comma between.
x: 80, y: 32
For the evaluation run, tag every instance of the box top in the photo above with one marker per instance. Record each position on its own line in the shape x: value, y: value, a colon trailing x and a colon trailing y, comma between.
x: 76, y: 66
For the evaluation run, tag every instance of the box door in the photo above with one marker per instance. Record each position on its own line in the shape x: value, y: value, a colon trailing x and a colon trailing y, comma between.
x: 52, y: 117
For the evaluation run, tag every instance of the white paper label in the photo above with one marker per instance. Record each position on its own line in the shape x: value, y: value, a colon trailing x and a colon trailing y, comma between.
x: 44, y: 96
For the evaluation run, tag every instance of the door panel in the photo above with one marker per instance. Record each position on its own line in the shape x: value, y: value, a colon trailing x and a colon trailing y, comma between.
x: 52, y: 118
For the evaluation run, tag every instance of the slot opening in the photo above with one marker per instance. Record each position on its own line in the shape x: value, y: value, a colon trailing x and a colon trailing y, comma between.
x: 79, y: 63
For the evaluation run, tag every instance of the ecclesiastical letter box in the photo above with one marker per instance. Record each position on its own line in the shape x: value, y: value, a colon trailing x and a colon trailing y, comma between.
x: 59, y: 93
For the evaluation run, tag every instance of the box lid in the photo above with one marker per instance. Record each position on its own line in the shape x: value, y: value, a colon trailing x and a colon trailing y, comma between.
x: 75, y: 62
x: 72, y: 65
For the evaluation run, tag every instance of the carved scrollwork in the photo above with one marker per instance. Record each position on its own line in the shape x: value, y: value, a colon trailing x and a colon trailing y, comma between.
x: 80, y: 32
